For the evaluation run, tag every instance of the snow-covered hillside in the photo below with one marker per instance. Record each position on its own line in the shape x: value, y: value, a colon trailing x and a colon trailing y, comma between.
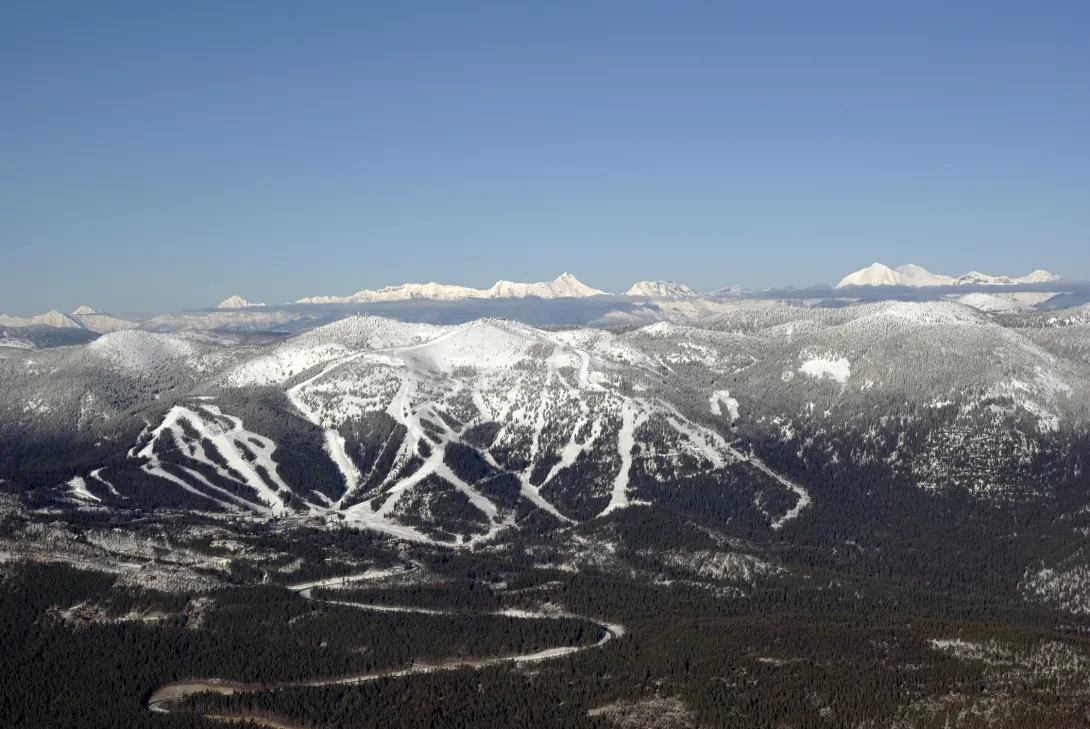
x: 990, y: 303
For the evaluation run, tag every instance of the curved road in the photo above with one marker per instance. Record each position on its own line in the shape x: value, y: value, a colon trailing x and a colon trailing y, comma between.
x: 161, y: 699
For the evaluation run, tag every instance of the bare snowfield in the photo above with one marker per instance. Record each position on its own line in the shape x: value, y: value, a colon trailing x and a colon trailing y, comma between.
x: 838, y: 369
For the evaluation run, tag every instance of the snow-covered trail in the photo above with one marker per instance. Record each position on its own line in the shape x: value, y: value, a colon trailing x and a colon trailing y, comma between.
x: 584, y: 371
x: 154, y: 469
x: 261, y: 447
x: 334, y: 443
x: 338, y: 453
x: 528, y: 490
x: 401, y: 410
x: 163, y: 697
x: 631, y: 419
x: 803, y: 494
x: 419, y: 365
x: 225, y: 441
x: 97, y: 475
x: 698, y: 433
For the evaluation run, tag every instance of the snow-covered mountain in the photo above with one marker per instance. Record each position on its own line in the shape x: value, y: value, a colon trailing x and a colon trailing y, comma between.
x: 878, y: 274
x: 99, y: 322
x: 51, y: 318
x: 456, y: 432
x: 429, y: 433
x: 660, y: 289
x: 564, y: 286
x: 909, y: 275
x: 82, y: 318
x: 236, y: 302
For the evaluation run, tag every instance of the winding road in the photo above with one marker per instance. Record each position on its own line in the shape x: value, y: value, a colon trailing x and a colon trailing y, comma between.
x: 161, y: 699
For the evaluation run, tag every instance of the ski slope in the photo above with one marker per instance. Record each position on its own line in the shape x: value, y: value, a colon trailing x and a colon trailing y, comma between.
x: 553, y: 400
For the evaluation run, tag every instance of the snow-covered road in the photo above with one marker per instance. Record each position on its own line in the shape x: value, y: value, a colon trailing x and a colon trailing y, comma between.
x: 163, y: 697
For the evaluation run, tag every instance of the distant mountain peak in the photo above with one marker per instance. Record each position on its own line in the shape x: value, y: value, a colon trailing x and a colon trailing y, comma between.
x: 910, y: 274
x: 84, y: 310
x: 660, y: 289
x: 236, y: 302
x: 56, y: 319
x: 875, y: 274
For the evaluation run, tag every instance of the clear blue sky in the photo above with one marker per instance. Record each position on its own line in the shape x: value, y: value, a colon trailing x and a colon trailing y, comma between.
x: 160, y: 155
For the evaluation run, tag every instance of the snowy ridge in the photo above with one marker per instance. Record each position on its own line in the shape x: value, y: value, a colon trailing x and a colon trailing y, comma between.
x: 280, y: 366
x: 1038, y: 276
x: 564, y: 285
x: 660, y: 289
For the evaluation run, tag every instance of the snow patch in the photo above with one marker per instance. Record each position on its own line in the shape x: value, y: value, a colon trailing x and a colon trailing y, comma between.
x: 77, y: 487
x: 723, y: 396
x: 838, y: 369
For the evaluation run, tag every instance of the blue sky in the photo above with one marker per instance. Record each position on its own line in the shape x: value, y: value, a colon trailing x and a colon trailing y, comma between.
x: 157, y: 156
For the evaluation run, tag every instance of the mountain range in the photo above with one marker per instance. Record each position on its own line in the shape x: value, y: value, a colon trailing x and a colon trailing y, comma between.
x: 83, y: 317
x: 554, y: 414
x: 562, y: 301
x: 564, y: 285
